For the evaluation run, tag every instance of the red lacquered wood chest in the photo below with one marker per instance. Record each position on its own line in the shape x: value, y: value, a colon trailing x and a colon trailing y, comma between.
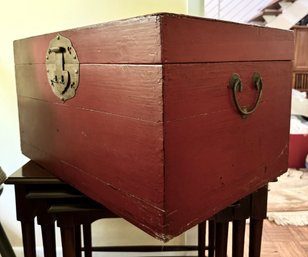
x: 173, y: 118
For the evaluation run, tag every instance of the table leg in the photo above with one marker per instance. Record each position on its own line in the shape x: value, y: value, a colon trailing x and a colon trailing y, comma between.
x: 221, y: 241
x: 67, y: 237
x: 201, y: 239
x: 28, y: 238
x: 49, y: 244
x: 87, y: 236
x: 258, y: 214
x: 238, y: 237
x: 78, y: 240
x: 255, y: 237
x: 211, y: 243
x: 47, y: 224
x: 25, y: 212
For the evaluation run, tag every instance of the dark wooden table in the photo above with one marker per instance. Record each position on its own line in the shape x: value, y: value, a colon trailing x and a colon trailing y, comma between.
x: 40, y: 194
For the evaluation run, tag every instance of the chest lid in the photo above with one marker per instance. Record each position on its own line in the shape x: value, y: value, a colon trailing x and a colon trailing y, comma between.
x: 165, y: 38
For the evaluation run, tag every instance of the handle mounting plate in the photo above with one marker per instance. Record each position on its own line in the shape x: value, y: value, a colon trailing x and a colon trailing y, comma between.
x: 62, y: 67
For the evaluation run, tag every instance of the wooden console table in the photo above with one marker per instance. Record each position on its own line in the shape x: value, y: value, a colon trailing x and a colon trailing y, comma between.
x: 40, y: 194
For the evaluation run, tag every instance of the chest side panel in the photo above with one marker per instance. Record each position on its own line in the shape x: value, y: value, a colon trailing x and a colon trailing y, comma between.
x: 213, y: 156
x: 107, y: 141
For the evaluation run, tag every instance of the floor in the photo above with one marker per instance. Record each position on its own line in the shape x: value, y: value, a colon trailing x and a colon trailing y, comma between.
x: 284, y: 241
x: 280, y: 241
x: 277, y: 241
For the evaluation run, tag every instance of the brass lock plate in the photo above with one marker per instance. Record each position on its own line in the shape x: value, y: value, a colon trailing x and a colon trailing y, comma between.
x: 62, y: 67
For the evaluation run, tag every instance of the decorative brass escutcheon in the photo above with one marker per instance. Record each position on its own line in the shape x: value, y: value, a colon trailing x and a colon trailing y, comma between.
x: 62, y: 67
x: 237, y: 86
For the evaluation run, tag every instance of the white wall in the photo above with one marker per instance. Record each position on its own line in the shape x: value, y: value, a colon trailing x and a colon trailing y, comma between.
x: 20, y: 19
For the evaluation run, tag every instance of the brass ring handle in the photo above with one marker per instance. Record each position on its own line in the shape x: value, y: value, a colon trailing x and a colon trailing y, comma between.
x: 237, y: 86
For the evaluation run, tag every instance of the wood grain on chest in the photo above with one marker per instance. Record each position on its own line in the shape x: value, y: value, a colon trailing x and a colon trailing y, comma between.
x: 153, y: 132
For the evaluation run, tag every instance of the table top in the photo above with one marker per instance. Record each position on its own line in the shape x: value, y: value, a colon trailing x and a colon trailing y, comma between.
x: 48, y: 189
x: 32, y: 173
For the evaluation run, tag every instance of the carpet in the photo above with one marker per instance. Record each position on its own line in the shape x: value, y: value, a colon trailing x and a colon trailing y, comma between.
x: 288, y: 199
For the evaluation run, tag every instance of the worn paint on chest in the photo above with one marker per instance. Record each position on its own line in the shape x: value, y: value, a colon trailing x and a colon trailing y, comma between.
x: 153, y: 132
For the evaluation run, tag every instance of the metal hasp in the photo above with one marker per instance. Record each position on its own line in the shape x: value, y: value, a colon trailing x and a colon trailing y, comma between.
x: 237, y: 86
x: 62, y: 67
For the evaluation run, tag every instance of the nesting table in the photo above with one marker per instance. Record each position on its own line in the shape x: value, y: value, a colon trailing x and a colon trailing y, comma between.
x: 42, y: 195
